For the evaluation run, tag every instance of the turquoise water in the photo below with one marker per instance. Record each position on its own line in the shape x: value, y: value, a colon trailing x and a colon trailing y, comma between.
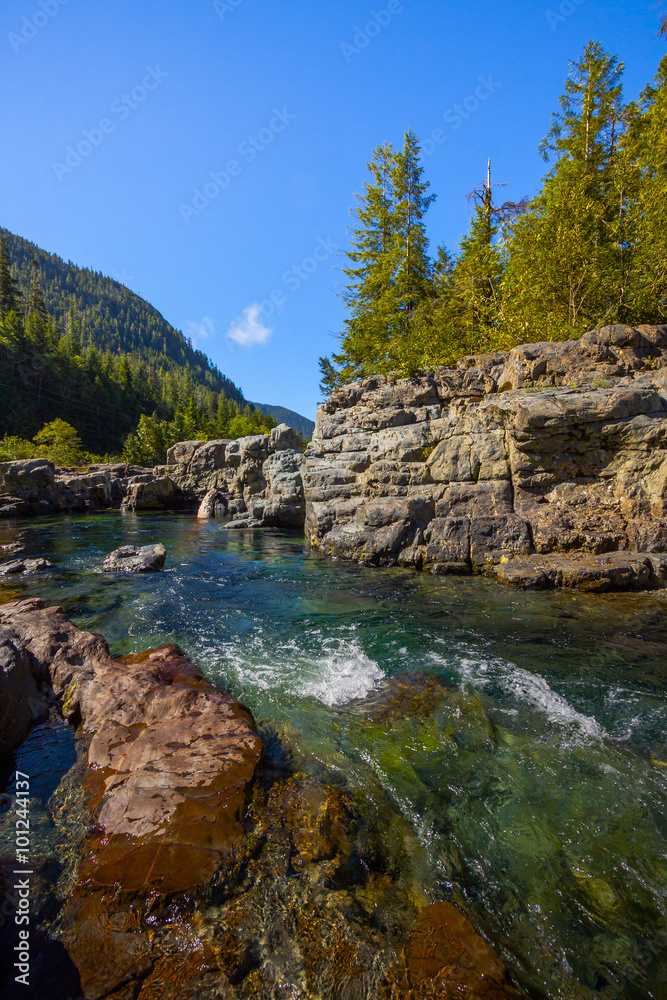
x: 537, y: 787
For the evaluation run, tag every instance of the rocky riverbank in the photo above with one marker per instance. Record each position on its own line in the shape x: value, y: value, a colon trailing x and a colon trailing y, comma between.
x: 196, y: 860
x: 542, y: 466
x: 545, y: 465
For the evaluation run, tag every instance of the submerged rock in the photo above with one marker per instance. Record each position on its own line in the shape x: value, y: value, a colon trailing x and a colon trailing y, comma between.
x: 208, y: 870
x: 131, y: 559
x: 445, y: 957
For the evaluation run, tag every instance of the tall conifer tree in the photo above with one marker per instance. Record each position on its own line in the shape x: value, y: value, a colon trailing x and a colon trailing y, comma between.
x: 9, y: 294
x: 566, y: 255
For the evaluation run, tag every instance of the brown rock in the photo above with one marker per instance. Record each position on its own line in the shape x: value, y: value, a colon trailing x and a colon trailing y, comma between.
x: 445, y: 957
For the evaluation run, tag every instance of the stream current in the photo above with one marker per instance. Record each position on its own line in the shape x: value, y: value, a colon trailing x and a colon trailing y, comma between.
x: 539, y: 801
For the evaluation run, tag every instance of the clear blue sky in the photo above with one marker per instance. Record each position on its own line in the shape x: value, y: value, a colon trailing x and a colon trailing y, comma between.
x: 294, y: 99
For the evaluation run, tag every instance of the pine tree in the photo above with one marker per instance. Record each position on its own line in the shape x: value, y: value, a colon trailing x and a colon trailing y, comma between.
x: 567, y: 257
x: 646, y: 150
x: 37, y: 324
x: 370, y: 294
x: 389, y: 273
x: 412, y: 267
x: 9, y: 295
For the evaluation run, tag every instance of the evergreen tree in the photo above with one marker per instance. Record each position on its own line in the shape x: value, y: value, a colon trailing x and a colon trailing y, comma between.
x: 370, y: 295
x: 646, y: 151
x: 567, y: 259
x: 37, y: 318
x: 389, y: 273
x: 9, y: 295
x: 412, y: 270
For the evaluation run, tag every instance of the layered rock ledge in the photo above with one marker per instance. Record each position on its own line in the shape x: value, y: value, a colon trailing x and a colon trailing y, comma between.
x: 545, y: 465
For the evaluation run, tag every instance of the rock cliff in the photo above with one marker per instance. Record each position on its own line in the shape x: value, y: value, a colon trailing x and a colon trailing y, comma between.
x: 257, y: 479
x: 544, y: 465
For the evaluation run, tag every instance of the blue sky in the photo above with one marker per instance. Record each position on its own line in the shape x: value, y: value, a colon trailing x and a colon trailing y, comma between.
x: 206, y: 153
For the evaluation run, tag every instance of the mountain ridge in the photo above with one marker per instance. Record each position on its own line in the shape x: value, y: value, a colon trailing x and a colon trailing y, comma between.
x: 112, y: 317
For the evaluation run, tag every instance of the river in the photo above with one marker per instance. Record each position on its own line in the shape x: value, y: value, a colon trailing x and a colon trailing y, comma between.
x: 536, y: 793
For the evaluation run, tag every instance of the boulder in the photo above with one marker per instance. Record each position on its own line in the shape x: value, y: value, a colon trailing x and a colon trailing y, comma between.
x: 284, y: 437
x: 131, y: 559
x: 153, y: 494
x: 21, y: 704
x: 20, y: 566
x: 181, y: 453
x: 169, y: 767
x: 31, y: 479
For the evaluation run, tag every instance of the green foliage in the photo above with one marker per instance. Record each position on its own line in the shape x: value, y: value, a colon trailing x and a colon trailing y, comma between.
x: 57, y: 441
x: 149, y: 443
x: 60, y: 443
x: 390, y: 273
x: 589, y: 250
x: 13, y: 449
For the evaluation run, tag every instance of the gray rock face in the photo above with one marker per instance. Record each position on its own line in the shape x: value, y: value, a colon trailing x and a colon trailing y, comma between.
x: 554, y: 450
x: 153, y: 493
x: 256, y: 479
x: 28, y: 480
x: 21, y: 704
x: 34, y: 487
x: 131, y: 559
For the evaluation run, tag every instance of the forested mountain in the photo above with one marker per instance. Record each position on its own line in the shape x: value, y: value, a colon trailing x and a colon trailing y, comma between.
x: 281, y: 415
x: 108, y: 315
x: 101, y: 370
x: 590, y: 249
x: 68, y: 385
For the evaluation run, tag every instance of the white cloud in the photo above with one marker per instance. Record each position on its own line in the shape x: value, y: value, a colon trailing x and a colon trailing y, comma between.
x: 202, y: 330
x: 248, y: 329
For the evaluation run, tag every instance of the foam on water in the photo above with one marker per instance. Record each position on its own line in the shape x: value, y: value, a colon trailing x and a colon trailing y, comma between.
x: 334, y: 670
x: 527, y: 688
x: 345, y: 672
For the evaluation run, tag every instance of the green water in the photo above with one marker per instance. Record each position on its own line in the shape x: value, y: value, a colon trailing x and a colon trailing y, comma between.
x: 537, y: 788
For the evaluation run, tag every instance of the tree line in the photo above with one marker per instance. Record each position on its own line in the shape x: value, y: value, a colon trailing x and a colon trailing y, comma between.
x: 109, y: 315
x: 50, y: 370
x: 590, y: 249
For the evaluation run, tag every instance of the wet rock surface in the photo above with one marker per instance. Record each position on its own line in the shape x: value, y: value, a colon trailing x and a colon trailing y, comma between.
x: 21, y: 704
x: 19, y: 567
x: 135, y: 559
x: 551, y: 450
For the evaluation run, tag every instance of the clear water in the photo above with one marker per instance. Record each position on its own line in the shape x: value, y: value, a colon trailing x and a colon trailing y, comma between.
x: 538, y: 789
